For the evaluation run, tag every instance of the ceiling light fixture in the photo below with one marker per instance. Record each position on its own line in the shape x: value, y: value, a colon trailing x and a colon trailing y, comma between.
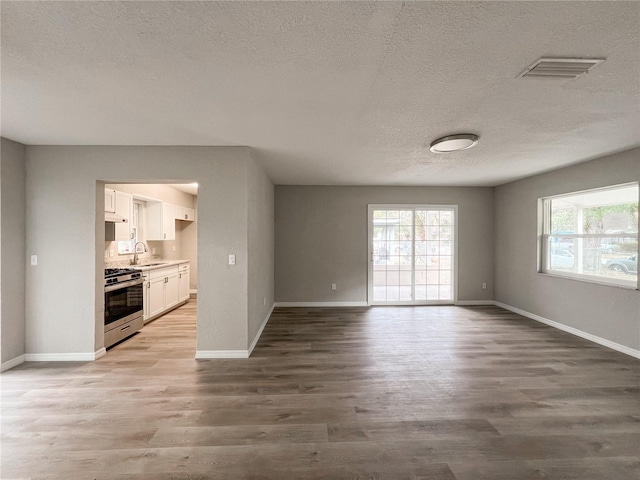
x: 453, y: 143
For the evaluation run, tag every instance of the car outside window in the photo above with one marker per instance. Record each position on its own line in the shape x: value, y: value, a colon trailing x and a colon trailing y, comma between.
x: 592, y: 235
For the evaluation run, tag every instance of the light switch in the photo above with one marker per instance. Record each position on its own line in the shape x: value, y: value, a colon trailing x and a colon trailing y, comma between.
x: 34, y: 259
x: 232, y: 259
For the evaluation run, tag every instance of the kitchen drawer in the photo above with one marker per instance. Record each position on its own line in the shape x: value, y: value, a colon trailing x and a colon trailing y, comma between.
x: 164, y: 272
x: 184, y: 267
x: 122, y: 331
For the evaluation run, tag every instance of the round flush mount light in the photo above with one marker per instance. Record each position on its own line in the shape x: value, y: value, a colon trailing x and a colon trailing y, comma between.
x: 453, y: 143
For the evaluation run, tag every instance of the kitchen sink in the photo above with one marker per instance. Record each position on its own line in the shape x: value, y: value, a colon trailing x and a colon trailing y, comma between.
x: 153, y: 264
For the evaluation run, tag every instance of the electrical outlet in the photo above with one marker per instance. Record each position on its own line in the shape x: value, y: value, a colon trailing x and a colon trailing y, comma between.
x: 153, y: 251
x: 333, y: 286
x: 232, y: 259
x: 111, y: 253
x: 484, y: 285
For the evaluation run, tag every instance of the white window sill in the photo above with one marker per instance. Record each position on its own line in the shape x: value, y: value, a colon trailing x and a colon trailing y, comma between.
x: 591, y: 279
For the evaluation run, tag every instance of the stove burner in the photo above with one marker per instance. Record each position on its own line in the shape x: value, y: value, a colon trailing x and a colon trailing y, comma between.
x: 115, y: 276
x: 112, y: 272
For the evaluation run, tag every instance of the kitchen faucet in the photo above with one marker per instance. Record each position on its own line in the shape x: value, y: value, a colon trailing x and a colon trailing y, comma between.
x: 135, y: 252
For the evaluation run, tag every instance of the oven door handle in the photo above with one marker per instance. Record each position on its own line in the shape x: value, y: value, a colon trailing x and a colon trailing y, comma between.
x: 118, y: 286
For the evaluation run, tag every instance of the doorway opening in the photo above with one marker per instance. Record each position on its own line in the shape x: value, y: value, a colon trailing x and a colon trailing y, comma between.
x: 412, y: 254
x: 150, y: 254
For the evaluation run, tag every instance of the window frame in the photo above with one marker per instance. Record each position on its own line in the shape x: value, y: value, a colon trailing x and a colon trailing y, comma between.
x: 370, y: 253
x: 545, y: 235
x: 137, y: 211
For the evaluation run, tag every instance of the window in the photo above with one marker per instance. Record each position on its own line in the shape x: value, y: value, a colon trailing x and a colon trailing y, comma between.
x: 126, y: 247
x: 592, y: 235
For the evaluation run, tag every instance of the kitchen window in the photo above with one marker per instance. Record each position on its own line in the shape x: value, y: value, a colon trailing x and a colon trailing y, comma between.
x: 126, y: 247
x: 592, y: 235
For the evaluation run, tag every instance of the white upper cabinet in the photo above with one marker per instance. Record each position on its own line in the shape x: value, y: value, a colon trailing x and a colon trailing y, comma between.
x: 185, y: 213
x: 161, y: 222
x: 168, y: 222
x: 123, y: 207
x: 109, y: 200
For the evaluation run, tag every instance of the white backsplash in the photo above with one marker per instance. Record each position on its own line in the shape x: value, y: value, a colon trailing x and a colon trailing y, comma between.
x: 121, y: 261
x: 126, y: 262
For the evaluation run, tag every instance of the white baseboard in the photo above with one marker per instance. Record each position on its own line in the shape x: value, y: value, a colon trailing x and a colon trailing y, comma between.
x: 264, y: 324
x: 321, y: 304
x: 475, y: 302
x: 209, y: 354
x: 193, y: 291
x: 574, y: 331
x: 64, y: 357
x: 14, y: 362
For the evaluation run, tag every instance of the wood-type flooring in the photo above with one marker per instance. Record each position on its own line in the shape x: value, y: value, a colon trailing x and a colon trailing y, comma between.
x: 434, y: 392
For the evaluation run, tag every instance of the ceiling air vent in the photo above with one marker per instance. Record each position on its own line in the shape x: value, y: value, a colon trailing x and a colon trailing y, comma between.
x: 560, y: 67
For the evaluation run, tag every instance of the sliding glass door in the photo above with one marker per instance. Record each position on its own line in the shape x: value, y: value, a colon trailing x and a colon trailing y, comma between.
x: 412, y: 254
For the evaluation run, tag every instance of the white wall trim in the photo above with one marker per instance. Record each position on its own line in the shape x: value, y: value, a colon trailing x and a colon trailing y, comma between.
x: 64, y: 357
x: 193, y: 291
x: 264, y: 324
x: 321, y: 304
x: 574, y: 331
x: 208, y: 354
x: 14, y: 362
x: 475, y: 302
x: 211, y: 354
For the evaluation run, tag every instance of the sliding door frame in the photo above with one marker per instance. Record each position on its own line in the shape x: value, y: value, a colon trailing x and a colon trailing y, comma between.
x: 454, y: 259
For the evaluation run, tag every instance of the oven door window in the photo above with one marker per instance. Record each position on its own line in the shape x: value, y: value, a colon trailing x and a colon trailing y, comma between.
x: 122, y: 303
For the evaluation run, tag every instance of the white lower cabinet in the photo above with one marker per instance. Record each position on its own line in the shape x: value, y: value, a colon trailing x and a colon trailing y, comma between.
x: 183, y: 282
x: 162, y: 291
x: 156, y: 297
x: 171, y: 290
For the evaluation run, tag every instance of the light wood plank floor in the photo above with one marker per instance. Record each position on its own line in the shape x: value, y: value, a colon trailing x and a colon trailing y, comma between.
x: 331, y: 393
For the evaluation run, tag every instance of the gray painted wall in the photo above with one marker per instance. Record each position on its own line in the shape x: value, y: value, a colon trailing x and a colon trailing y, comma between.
x: 65, y: 204
x: 609, y: 312
x: 321, y: 238
x: 261, y: 248
x: 12, y: 256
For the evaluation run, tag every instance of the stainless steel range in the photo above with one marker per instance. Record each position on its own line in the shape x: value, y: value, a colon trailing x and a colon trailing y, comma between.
x: 123, y: 307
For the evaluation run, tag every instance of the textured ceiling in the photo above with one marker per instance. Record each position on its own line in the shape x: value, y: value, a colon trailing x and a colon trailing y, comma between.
x: 328, y: 92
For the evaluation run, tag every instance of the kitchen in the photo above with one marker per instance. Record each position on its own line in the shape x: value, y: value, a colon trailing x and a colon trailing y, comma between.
x: 150, y: 254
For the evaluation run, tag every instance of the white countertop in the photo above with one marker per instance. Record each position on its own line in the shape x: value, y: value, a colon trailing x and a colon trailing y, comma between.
x: 158, y: 264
